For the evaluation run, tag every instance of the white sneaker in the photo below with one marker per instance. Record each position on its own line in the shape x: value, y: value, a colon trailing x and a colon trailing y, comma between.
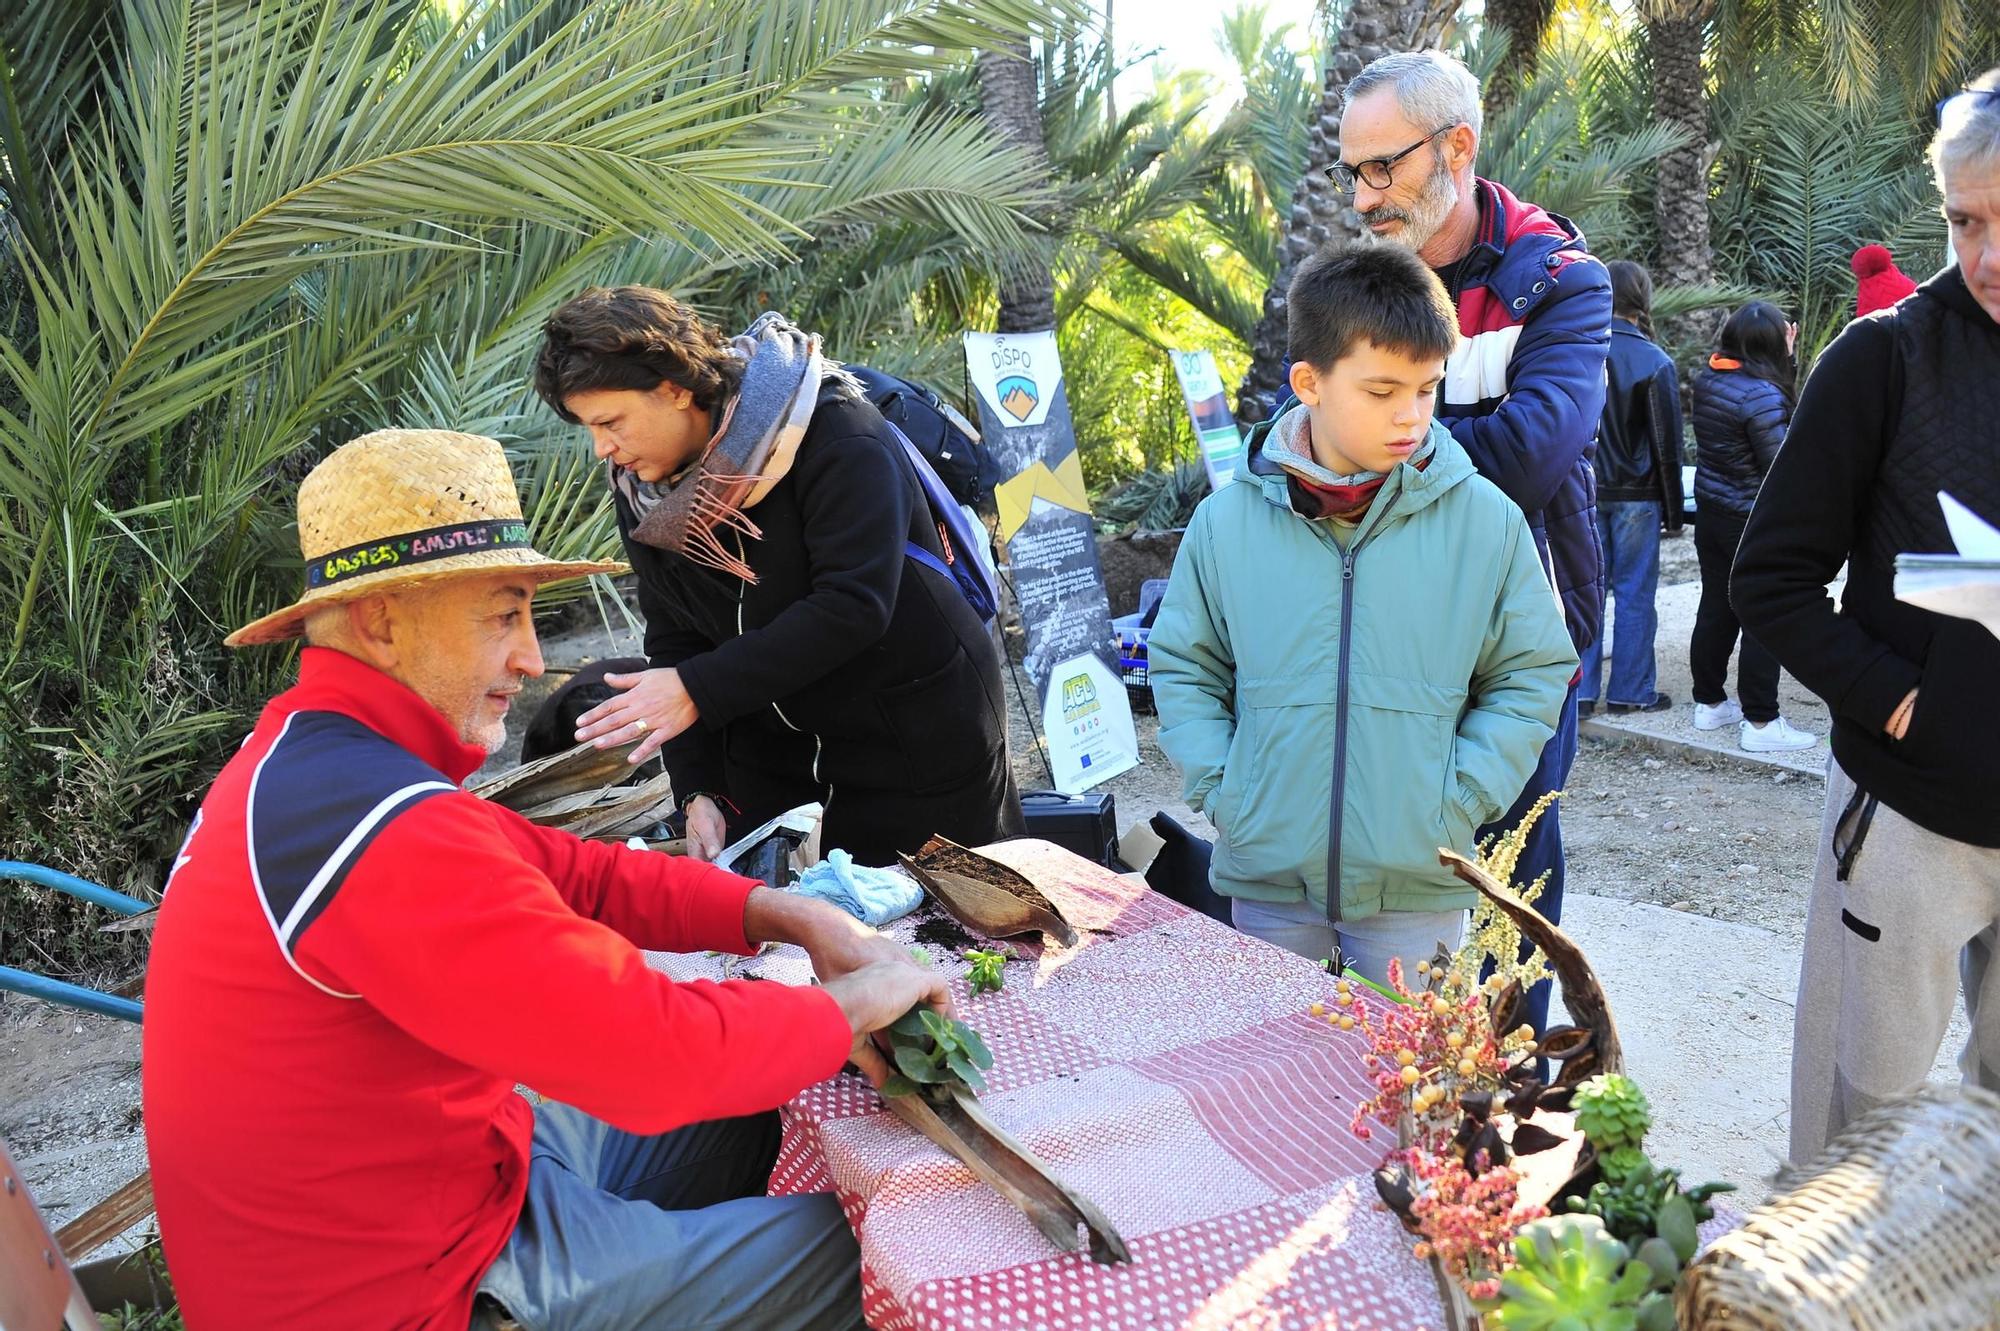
x: 1714, y: 717
x: 1773, y: 737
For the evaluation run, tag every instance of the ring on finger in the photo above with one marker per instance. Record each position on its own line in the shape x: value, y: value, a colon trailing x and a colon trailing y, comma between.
x: 640, y: 726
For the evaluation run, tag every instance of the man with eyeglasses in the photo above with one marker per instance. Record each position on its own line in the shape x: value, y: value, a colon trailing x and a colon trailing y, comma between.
x: 1524, y: 389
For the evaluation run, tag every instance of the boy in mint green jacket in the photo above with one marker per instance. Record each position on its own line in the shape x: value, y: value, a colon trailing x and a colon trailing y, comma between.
x: 1359, y: 657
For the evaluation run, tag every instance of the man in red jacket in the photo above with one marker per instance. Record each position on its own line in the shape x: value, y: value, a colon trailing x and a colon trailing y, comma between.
x: 357, y: 961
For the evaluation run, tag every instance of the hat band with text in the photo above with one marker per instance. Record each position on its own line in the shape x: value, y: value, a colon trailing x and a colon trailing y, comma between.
x: 417, y: 547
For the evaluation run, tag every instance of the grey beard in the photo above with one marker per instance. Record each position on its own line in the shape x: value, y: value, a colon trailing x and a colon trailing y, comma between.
x: 1423, y: 219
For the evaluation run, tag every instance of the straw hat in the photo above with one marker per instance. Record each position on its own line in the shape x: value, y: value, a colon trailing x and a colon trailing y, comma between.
x: 400, y: 508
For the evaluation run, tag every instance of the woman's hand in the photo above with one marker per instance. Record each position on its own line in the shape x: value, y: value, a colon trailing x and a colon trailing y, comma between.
x: 654, y: 707
x: 707, y: 829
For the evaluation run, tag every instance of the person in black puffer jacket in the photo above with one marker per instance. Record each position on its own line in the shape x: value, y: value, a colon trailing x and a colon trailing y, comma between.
x: 796, y: 651
x: 1742, y: 406
x: 1905, y: 906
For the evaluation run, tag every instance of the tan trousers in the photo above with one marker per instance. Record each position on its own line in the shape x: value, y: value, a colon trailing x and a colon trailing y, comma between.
x: 1886, y: 952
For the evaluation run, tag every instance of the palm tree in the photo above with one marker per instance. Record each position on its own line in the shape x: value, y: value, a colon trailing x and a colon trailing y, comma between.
x: 1525, y: 23
x: 279, y: 224
x: 1676, y: 36
x: 1919, y: 49
x: 1800, y: 184
x: 1369, y: 30
x: 1009, y: 97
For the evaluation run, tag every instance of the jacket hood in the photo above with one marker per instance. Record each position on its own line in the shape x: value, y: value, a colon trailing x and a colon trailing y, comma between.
x: 1415, y: 490
x: 1948, y: 285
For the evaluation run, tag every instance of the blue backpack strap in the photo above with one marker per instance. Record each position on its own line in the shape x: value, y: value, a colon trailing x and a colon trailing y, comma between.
x: 954, y: 534
x: 928, y: 560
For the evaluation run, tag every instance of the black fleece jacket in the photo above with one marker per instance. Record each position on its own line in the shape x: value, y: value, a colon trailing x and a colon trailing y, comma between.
x: 1901, y: 406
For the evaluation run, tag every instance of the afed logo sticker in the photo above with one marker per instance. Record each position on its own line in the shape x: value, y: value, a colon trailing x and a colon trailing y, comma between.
x: 1079, y: 697
x: 1018, y: 396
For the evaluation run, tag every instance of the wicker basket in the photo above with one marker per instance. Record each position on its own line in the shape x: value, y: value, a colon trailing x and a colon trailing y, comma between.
x: 1895, y: 1227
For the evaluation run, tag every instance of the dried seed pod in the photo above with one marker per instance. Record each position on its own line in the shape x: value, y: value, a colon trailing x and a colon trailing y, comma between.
x: 1531, y: 1140
x: 1564, y: 1043
x: 1582, y: 993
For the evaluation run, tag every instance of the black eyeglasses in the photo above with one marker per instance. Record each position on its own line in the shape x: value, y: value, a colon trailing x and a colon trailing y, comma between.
x: 1377, y: 172
x: 1977, y: 94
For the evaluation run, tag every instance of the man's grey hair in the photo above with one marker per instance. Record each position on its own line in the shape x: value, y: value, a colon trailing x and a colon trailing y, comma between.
x: 326, y: 625
x: 1969, y: 132
x: 1433, y: 88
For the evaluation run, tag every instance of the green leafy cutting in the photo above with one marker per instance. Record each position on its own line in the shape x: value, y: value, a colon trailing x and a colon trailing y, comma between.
x: 985, y: 976
x: 933, y: 1053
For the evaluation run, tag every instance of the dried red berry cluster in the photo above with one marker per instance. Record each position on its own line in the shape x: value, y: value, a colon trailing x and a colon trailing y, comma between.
x: 1468, y: 1222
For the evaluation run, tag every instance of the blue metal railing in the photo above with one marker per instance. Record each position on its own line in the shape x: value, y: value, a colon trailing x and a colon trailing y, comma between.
x: 58, y: 991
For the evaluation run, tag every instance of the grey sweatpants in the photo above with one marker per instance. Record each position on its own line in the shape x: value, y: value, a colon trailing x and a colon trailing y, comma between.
x: 1886, y: 952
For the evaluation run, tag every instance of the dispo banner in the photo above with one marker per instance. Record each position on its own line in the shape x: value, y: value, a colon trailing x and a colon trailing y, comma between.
x: 1072, y: 658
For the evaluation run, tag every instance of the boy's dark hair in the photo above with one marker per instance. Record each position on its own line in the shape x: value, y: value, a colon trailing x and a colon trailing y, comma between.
x: 1367, y: 293
x: 632, y: 338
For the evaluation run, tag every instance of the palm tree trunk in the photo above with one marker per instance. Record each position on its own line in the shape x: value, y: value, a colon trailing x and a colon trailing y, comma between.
x: 1011, y: 103
x: 1525, y: 22
x: 1371, y: 29
x: 1676, y: 38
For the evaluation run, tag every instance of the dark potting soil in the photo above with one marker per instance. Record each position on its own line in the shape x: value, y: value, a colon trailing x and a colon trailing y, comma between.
x: 942, y: 931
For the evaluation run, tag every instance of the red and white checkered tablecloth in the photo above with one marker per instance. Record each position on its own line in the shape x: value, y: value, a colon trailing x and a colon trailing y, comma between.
x: 1167, y: 1069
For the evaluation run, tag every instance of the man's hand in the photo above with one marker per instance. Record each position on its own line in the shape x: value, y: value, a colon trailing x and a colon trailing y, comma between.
x: 707, y: 829
x: 655, y: 705
x: 1899, y: 720
x: 876, y: 997
x: 847, y: 945
x: 873, y: 978
x: 838, y: 943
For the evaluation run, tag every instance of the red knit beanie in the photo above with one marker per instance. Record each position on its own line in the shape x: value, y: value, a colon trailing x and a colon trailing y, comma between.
x: 1882, y: 284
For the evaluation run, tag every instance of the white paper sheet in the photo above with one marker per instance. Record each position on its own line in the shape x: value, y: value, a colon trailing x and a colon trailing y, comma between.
x: 1965, y: 585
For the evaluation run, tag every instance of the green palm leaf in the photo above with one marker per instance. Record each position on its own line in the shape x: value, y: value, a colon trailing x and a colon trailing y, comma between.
x: 283, y: 224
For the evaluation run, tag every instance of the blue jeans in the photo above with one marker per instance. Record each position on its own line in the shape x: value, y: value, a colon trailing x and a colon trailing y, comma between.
x: 1630, y: 531
x: 1544, y: 851
x: 627, y: 1233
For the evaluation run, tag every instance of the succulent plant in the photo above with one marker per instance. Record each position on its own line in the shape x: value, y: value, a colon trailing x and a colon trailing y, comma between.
x: 987, y: 973
x: 1640, y: 1203
x: 1570, y: 1274
x: 933, y: 1052
x: 1622, y: 1163
x: 1613, y: 1112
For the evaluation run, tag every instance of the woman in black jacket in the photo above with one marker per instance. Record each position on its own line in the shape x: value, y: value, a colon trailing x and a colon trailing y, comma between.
x: 1742, y: 406
x: 796, y: 652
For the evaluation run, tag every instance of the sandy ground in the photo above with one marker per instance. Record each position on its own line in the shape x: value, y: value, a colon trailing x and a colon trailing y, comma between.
x: 1711, y: 837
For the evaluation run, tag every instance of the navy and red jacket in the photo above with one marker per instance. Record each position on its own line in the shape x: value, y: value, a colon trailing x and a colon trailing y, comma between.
x: 1524, y: 390
x: 356, y: 962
